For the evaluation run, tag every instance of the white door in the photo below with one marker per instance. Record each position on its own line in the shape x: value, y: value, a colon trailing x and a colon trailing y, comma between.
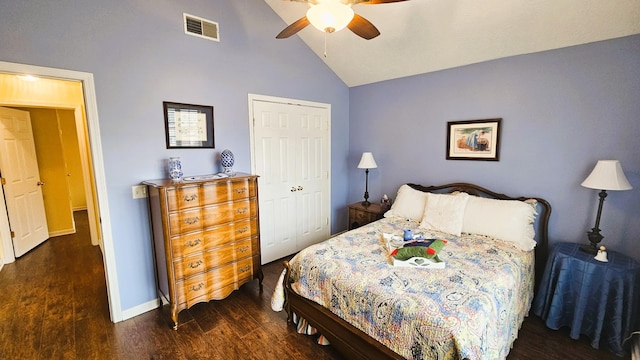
x: 291, y: 152
x: 21, y: 181
x: 312, y: 157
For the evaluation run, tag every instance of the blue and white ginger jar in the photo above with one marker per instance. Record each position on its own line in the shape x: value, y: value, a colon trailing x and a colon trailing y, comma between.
x: 175, y: 169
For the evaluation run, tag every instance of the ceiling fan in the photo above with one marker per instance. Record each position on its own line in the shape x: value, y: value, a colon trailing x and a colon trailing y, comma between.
x: 334, y: 15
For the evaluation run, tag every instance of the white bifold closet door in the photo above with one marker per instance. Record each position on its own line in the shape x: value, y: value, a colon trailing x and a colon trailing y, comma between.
x: 292, y: 156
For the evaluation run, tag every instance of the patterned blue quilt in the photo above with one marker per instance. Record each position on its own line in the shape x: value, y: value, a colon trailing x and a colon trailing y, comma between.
x: 473, y: 308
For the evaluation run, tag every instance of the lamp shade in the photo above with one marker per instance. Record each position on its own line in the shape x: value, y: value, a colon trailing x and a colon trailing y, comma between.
x: 607, y: 175
x: 330, y: 16
x: 367, y: 161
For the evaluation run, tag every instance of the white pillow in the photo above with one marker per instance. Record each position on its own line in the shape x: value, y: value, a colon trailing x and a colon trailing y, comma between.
x: 409, y: 204
x: 444, y: 212
x: 508, y: 220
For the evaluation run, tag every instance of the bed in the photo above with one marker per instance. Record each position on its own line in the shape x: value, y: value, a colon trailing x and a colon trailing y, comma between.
x: 348, y: 289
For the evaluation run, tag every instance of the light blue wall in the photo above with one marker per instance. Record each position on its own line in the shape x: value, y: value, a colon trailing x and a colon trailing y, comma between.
x: 140, y: 57
x: 562, y: 111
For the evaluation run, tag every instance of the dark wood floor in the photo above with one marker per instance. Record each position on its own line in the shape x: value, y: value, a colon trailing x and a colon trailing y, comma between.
x: 53, y: 305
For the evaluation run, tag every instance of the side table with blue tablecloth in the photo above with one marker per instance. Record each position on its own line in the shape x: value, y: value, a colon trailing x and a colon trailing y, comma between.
x: 598, y: 299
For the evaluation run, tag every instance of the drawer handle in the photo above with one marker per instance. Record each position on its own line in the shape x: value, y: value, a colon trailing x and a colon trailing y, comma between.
x: 241, y: 211
x: 194, y: 242
x: 241, y: 191
x: 196, y: 287
x: 243, y: 230
x: 245, y: 268
x: 189, y: 198
x: 191, y: 221
x: 195, y: 264
x: 243, y: 249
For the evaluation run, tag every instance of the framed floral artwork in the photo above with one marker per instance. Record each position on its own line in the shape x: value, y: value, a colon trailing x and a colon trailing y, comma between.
x: 474, y: 139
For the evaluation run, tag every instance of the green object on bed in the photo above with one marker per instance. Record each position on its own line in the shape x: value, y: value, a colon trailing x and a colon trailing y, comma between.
x: 429, y: 252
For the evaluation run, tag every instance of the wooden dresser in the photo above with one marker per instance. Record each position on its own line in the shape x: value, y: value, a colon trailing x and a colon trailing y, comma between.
x: 206, y: 238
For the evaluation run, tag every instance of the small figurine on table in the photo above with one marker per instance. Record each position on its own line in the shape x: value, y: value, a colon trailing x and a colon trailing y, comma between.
x: 602, y: 254
x: 385, y: 202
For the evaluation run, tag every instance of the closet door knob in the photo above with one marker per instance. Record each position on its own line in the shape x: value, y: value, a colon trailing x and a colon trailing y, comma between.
x: 293, y: 189
x: 300, y: 188
x: 40, y: 183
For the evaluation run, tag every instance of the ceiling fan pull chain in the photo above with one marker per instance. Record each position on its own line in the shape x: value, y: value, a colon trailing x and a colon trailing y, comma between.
x: 325, y: 45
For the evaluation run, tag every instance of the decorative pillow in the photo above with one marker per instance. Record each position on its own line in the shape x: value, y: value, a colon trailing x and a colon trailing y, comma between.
x: 409, y: 204
x: 508, y: 220
x: 444, y: 212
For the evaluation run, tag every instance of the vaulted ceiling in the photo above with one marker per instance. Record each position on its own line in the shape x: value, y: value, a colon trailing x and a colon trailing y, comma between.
x: 421, y: 36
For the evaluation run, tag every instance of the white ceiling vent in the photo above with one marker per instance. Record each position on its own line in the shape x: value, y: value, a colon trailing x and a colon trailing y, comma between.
x: 200, y: 27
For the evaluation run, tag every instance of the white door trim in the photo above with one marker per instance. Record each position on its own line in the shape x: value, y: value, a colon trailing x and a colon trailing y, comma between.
x: 91, y: 109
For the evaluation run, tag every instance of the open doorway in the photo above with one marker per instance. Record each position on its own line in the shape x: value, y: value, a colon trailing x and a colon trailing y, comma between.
x: 89, y: 139
x: 49, y: 187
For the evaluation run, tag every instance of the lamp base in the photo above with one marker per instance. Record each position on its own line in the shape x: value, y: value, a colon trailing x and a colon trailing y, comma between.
x: 366, y: 203
x: 590, y: 249
x: 594, y: 238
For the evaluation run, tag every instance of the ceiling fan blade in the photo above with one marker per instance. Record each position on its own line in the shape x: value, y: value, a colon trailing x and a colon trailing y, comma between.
x: 363, y: 27
x: 293, y: 28
x: 374, y: 2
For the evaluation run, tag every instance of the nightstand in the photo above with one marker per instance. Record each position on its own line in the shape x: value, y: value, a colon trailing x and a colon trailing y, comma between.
x: 361, y: 215
x: 598, y: 299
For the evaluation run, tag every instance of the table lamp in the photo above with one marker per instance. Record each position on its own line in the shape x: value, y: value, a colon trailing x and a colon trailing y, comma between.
x: 367, y: 162
x: 607, y: 175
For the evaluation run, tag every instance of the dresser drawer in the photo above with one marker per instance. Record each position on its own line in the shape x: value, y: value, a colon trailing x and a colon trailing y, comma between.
x: 361, y: 216
x: 193, y: 289
x: 228, y: 212
x: 202, y: 262
x: 185, y: 245
x: 216, y: 193
x: 184, y: 197
x: 243, y: 249
x: 189, y: 266
x: 186, y: 221
x: 198, y: 219
x: 244, y: 270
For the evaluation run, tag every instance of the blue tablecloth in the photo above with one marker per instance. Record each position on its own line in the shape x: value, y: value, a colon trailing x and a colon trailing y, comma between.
x: 598, y: 299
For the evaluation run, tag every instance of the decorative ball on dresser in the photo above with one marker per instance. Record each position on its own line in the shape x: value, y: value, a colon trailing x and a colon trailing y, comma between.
x: 227, y: 160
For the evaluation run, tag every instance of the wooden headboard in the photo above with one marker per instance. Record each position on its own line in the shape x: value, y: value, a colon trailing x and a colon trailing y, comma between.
x: 542, y: 220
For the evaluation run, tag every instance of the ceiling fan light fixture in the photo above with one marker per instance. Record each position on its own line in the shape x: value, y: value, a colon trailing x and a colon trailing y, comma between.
x: 330, y: 16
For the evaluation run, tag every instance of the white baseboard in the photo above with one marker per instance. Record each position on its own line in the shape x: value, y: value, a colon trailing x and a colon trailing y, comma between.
x: 140, y: 309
